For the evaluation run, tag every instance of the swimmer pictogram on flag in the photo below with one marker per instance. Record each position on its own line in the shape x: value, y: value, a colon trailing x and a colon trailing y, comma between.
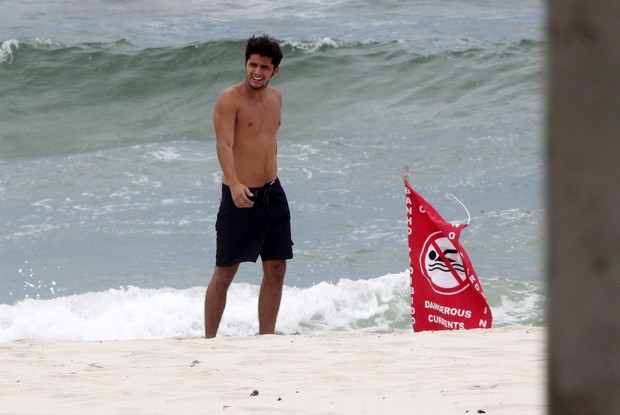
x: 445, y: 291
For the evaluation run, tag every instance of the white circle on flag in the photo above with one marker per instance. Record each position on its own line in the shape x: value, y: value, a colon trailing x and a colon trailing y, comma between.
x: 442, y: 265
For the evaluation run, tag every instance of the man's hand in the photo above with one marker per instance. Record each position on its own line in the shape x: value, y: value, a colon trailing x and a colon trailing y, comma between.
x: 241, y: 196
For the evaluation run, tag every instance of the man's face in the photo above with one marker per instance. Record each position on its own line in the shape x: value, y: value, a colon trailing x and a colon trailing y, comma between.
x: 259, y: 71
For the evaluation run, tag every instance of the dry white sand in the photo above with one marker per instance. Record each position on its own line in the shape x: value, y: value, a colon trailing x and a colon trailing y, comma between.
x: 497, y: 371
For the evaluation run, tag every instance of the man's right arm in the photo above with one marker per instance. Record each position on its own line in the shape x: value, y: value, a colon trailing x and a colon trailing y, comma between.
x: 224, y: 118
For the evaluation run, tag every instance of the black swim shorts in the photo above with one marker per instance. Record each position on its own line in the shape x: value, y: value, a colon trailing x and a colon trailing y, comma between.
x: 244, y: 234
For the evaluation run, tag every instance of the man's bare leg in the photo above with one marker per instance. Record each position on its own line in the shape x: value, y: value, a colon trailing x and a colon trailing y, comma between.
x: 215, y: 298
x: 270, y: 295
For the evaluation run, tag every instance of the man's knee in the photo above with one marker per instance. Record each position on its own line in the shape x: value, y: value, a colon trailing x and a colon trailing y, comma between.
x: 223, y: 276
x: 275, y: 269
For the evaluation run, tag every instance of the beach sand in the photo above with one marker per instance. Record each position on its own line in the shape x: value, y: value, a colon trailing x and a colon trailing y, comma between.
x: 496, y: 371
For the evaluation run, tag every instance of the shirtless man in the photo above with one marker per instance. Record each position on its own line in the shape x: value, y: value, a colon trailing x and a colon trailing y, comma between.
x: 253, y: 218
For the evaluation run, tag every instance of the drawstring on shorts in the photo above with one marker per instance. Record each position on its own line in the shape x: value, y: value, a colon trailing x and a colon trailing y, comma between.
x: 266, y: 191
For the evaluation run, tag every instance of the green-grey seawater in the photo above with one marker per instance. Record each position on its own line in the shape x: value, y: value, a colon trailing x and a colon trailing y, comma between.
x: 109, y: 176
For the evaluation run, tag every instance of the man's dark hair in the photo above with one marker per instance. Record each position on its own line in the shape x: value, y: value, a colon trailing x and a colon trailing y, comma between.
x: 264, y: 46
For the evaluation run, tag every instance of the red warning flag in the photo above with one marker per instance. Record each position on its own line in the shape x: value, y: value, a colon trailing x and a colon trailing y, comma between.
x: 445, y: 291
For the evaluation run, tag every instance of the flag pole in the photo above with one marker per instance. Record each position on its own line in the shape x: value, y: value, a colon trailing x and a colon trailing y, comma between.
x: 406, y: 174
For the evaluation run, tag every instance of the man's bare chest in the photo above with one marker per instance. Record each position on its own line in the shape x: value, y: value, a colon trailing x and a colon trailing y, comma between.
x: 258, y: 120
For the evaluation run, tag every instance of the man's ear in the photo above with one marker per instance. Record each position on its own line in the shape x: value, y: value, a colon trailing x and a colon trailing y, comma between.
x: 275, y: 71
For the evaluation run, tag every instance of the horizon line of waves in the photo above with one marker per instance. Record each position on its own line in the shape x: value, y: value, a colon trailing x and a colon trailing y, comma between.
x: 8, y: 47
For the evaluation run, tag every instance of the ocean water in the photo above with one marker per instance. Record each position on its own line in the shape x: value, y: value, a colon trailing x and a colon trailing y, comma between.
x: 109, y: 181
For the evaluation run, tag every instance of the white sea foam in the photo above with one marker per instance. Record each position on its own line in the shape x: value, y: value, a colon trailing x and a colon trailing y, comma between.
x: 6, y: 50
x: 177, y: 153
x: 9, y: 47
x: 313, y: 46
x: 377, y: 305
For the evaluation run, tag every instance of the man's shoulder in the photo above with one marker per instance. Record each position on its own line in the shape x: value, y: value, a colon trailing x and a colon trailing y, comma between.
x: 275, y: 93
x: 229, y: 97
x: 231, y: 91
x: 275, y: 90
